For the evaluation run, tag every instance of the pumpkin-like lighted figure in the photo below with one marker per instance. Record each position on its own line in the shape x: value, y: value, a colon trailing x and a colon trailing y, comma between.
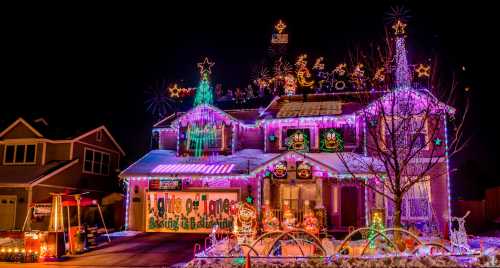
x: 269, y: 222
x: 280, y: 170
x: 289, y: 221
x: 304, y: 171
x: 245, y: 227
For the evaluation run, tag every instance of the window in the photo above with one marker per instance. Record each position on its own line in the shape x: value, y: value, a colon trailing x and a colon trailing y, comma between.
x: 207, y: 139
x: 99, y: 135
x: 21, y: 154
x: 96, y: 162
x: 408, y: 131
x: 416, y: 204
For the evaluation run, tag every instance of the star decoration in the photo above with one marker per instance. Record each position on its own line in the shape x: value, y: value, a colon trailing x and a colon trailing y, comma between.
x: 205, y: 66
x: 399, y: 27
x: 174, y: 91
x: 280, y: 27
x: 438, y: 142
x: 423, y: 70
x: 249, y: 199
x: 340, y: 69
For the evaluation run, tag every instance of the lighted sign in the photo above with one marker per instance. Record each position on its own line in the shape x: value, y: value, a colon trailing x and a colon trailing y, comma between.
x: 42, y: 209
x: 190, y: 212
x: 165, y: 185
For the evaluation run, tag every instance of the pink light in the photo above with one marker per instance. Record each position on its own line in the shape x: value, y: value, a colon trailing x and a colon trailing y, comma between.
x: 194, y: 168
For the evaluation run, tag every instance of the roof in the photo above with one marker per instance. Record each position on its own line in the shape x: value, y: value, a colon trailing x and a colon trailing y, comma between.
x: 29, y: 174
x: 312, y: 105
x: 247, y: 116
x: 165, y: 162
x: 161, y: 162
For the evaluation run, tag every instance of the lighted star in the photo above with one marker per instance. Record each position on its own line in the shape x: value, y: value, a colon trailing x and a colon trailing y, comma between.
x: 174, y: 91
x: 205, y: 66
x: 280, y: 27
x: 399, y: 27
x: 423, y: 70
x: 438, y: 142
x: 249, y: 199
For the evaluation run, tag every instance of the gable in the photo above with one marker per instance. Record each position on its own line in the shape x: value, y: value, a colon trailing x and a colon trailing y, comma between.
x: 20, y: 129
x: 191, y: 115
x: 106, y: 140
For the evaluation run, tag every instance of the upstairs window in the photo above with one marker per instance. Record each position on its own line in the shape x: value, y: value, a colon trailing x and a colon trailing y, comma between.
x: 20, y: 154
x: 96, y: 162
x: 99, y: 135
x: 408, y: 133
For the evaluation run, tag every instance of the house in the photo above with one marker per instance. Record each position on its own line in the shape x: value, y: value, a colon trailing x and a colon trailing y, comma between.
x: 37, y: 159
x: 285, y: 156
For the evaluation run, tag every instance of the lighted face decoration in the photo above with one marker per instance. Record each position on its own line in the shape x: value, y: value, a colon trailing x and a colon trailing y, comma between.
x: 280, y: 170
x: 298, y: 141
x: 331, y: 141
x: 303, y: 171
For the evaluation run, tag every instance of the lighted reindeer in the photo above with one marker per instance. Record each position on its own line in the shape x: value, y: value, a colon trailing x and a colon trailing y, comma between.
x: 458, y: 237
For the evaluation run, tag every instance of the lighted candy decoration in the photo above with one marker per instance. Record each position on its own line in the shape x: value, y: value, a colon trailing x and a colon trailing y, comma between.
x: 245, y: 227
x: 270, y: 222
x: 289, y: 220
x: 311, y: 223
x: 331, y: 141
x: 280, y: 169
x: 298, y: 141
x: 304, y: 171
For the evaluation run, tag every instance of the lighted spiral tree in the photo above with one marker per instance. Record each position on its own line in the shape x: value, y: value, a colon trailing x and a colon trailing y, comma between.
x: 203, y: 131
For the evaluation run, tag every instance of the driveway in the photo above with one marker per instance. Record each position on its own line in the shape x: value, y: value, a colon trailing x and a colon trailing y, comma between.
x: 143, y: 250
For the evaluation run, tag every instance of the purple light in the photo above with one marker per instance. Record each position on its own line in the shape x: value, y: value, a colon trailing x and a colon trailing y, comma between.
x: 194, y: 168
x: 403, y: 78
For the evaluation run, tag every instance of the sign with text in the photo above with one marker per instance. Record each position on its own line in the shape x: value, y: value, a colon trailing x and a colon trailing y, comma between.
x: 190, y: 212
x: 42, y: 209
x: 165, y: 185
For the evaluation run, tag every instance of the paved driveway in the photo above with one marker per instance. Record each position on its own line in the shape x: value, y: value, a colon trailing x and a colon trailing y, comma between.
x: 144, y: 250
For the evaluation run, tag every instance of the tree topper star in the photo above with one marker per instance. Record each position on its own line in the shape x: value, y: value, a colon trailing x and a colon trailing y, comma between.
x: 205, y: 66
x: 280, y: 27
x: 399, y: 27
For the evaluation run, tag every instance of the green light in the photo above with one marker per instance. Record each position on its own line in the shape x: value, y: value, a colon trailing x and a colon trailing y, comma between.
x: 204, y: 94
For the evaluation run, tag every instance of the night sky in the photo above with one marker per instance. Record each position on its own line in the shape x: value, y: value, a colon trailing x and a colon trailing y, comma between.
x: 90, y: 65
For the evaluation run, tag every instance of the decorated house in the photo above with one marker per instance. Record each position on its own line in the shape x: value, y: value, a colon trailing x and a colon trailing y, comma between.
x: 300, y: 153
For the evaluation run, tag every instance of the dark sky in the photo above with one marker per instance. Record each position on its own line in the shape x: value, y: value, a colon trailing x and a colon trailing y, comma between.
x: 91, y: 64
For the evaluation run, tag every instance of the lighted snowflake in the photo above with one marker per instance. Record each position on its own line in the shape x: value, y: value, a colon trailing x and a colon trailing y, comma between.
x: 423, y: 70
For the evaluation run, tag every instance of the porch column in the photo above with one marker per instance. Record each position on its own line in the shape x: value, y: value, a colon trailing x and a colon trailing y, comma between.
x: 267, y: 190
x: 319, y: 193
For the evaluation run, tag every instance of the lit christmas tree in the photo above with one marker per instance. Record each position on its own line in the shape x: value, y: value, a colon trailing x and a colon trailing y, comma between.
x: 204, y: 94
x: 377, y: 224
x: 403, y: 76
x: 202, y: 133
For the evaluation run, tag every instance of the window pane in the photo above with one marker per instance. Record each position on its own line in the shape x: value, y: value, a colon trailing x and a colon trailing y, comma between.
x: 97, y: 156
x: 9, y: 154
x: 20, y: 153
x: 30, y: 153
x: 419, y: 207
x: 105, y: 164
x: 87, y: 166
x: 88, y: 155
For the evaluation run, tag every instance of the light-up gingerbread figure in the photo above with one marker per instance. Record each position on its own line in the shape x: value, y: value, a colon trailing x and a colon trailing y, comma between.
x: 245, y: 227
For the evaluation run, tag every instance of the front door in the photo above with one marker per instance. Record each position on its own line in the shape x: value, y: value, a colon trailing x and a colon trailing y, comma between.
x: 7, y: 212
x: 348, y: 206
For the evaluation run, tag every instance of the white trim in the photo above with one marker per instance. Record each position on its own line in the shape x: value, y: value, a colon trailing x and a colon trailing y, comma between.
x: 20, y: 120
x: 68, y: 187
x: 14, y: 163
x: 98, y: 147
x: 71, y: 150
x: 107, y: 132
x: 98, y: 135
x: 14, y: 185
x: 53, y: 173
x: 44, y: 152
x: 165, y: 118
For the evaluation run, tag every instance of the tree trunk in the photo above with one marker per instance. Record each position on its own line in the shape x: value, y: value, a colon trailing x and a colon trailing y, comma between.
x: 398, y: 201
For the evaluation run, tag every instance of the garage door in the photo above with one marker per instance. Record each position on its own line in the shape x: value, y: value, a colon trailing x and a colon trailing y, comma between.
x: 7, y: 212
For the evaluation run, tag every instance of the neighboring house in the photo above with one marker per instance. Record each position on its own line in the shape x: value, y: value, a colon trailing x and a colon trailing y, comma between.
x: 36, y: 160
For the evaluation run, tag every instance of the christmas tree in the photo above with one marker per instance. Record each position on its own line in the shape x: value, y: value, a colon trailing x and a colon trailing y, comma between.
x: 377, y: 224
x: 204, y: 94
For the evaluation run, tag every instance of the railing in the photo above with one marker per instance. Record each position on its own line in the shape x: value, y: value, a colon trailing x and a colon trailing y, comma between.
x: 278, y: 213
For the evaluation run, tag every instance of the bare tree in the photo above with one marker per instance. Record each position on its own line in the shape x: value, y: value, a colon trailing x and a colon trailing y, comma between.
x: 406, y: 133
